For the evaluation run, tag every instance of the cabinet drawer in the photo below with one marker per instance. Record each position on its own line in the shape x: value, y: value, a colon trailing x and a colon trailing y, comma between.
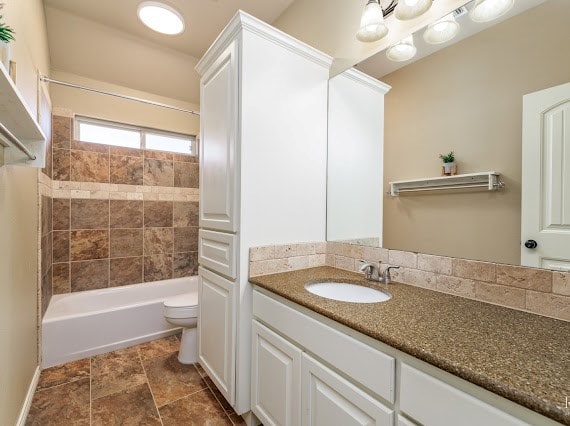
x: 329, y: 399
x: 217, y: 251
x: 433, y: 402
x: 364, y: 364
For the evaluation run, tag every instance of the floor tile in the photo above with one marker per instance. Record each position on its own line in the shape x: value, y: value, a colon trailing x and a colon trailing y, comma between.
x: 200, y: 370
x: 159, y: 347
x: 116, y: 371
x: 64, y: 373
x: 66, y: 404
x: 200, y: 408
x: 129, y: 387
x: 131, y: 407
x: 170, y: 380
x: 221, y: 399
x: 237, y: 420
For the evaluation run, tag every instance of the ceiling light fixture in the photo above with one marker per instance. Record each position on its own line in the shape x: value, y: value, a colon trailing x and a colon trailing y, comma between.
x: 410, y: 9
x: 161, y: 17
x: 402, y: 51
x: 442, y: 30
x: 372, y: 27
x: 487, y: 10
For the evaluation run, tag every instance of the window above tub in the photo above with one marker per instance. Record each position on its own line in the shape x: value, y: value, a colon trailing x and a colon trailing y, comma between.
x: 105, y: 132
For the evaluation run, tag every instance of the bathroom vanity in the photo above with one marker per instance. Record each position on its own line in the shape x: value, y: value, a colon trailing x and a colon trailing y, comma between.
x: 421, y: 357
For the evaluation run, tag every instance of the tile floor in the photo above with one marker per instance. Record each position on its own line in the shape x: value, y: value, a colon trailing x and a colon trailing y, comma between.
x: 140, y: 385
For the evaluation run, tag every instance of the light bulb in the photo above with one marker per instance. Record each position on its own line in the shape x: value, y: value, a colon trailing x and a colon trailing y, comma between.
x: 487, y: 10
x: 372, y: 27
x: 409, y: 9
x: 442, y: 30
x: 402, y: 51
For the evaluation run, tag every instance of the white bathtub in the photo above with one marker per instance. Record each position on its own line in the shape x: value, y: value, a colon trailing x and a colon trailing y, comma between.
x: 78, y: 325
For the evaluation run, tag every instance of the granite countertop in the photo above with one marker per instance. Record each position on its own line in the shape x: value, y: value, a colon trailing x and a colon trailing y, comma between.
x: 517, y: 355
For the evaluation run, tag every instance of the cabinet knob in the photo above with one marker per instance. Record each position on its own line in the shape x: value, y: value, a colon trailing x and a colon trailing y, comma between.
x: 530, y: 244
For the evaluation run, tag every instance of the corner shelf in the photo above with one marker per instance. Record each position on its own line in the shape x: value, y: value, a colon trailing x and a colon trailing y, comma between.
x: 21, y: 127
x: 488, y: 180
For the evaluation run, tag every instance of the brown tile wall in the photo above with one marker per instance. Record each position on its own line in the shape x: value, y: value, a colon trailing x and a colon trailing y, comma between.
x: 88, y: 162
x: 534, y: 290
x: 46, y: 237
x: 93, y: 243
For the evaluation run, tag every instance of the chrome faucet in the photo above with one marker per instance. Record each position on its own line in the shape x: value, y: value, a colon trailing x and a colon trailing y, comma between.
x: 368, y: 269
x: 372, y: 272
x: 386, y: 278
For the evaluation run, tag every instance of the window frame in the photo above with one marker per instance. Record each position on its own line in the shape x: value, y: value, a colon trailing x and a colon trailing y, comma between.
x: 143, y: 131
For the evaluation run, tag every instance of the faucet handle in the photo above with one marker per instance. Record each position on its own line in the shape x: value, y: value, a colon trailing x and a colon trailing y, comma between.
x: 386, y: 277
x: 367, y: 268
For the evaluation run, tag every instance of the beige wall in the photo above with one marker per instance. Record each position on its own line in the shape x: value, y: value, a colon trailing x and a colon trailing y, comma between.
x: 19, y: 223
x: 18, y: 287
x: 468, y: 98
x: 110, y: 108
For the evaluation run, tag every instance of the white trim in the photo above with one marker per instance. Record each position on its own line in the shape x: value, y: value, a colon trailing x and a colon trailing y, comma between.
x: 243, y: 21
x: 365, y: 79
x: 29, y: 397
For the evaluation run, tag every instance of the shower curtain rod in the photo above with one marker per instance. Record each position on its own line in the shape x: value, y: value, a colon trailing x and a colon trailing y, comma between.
x: 117, y: 95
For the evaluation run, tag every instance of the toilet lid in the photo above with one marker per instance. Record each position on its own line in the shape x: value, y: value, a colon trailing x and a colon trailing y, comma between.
x: 182, y: 300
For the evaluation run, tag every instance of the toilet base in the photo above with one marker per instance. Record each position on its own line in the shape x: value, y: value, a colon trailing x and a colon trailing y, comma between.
x: 188, y: 353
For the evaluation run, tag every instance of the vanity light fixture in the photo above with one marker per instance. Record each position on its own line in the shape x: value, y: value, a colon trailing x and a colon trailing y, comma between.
x: 442, y: 30
x: 487, y: 10
x: 372, y: 27
x: 160, y: 17
x: 410, y: 9
x: 402, y: 51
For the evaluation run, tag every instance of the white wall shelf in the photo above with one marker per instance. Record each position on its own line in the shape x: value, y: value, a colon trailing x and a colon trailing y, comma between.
x: 20, y: 130
x: 486, y: 180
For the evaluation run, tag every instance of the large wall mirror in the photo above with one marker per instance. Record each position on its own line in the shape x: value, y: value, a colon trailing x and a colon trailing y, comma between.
x: 467, y: 97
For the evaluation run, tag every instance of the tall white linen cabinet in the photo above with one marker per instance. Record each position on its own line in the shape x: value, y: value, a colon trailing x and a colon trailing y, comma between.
x: 263, y: 150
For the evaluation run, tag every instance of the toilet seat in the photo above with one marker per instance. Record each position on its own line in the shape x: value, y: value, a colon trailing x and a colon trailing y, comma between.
x: 181, y: 306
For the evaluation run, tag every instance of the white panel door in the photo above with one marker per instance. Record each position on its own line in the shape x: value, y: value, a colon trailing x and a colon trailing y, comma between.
x: 546, y: 179
x: 328, y: 399
x: 275, y: 378
x: 218, y: 136
x: 216, y: 330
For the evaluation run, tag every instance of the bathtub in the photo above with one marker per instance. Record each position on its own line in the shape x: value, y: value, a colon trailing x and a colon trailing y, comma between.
x: 86, y: 323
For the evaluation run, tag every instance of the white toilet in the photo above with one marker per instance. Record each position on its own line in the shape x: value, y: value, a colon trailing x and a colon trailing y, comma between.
x: 182, y: 310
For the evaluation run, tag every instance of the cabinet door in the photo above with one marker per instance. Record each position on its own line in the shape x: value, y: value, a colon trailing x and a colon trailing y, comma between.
x: 218, y: 143
x: 329, y: 399
x: 276, y: 378
x: 216, y: 330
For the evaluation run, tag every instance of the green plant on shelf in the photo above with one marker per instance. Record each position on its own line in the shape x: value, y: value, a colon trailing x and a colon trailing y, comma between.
x: 448, y: 158
x: 6, y: 32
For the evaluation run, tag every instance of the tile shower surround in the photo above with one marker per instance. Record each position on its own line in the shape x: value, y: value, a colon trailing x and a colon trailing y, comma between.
x: 114, y: 216
x: 533, y: 290
x: 109, y: 243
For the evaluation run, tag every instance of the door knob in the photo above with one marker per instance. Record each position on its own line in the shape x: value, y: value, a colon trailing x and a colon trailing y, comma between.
x: 530, y: 244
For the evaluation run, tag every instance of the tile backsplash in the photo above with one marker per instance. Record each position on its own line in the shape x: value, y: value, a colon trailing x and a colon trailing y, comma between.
x: 115, y: 215
x: 538, y: 291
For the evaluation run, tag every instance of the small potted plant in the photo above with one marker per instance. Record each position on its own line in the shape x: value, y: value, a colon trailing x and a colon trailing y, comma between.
x: 448, y: 168
x: 6, y: 36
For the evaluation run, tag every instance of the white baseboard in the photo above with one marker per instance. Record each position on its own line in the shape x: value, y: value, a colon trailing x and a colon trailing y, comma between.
x: 29, y: 396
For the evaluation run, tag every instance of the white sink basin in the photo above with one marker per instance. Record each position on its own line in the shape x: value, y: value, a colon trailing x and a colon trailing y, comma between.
x: 345, y: 292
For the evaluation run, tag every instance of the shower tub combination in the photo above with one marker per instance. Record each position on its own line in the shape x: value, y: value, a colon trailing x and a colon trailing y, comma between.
x: 82, y: 324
